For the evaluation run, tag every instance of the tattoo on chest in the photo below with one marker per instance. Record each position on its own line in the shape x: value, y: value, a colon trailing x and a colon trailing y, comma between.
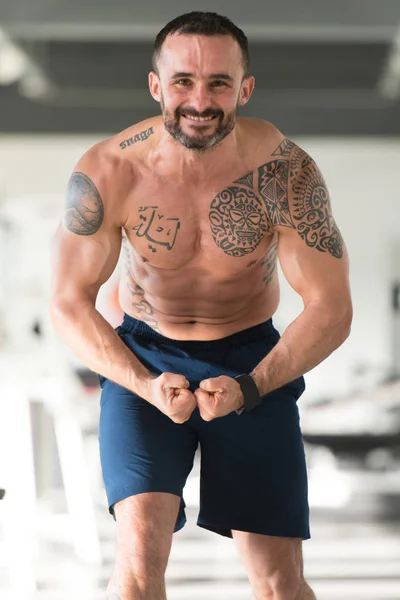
x: 157, y: 228
x: 242, y: 214
x: 84, y: 212
x: 238, y: 221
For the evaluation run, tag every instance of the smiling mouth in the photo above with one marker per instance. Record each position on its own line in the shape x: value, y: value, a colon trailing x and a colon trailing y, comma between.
x: 199, y: 119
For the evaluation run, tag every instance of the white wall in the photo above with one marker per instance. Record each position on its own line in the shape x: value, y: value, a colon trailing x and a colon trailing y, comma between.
x: 362, y: 176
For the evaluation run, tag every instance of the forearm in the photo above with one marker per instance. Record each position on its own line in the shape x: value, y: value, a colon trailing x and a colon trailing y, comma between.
x: 93, y: 340
x: 306, y: 342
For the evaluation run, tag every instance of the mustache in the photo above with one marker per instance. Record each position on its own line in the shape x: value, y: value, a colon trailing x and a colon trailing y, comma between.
x: 190, y: 112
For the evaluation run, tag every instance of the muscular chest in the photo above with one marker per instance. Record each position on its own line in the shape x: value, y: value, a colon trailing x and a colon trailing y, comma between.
x: 221, y: 227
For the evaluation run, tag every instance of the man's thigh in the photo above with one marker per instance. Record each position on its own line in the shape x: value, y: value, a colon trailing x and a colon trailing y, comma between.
x: 253, y: 472
x: 141, y: 449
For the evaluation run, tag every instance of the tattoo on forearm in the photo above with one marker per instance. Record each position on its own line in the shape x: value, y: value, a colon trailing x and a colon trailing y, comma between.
x: 270, y: 262
x: 84, y: 210
x: 157, y: 228
x: 139, y: 137
x: 237, y: 219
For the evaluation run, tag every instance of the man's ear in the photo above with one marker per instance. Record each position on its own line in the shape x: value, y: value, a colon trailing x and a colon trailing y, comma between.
x: 248, y: 86
x: 155, y: 86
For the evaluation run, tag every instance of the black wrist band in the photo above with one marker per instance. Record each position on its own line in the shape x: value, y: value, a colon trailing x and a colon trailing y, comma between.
x: 250, y: 393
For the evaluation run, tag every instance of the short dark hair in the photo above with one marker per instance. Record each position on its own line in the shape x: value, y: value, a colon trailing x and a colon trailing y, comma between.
x: 202, y: 23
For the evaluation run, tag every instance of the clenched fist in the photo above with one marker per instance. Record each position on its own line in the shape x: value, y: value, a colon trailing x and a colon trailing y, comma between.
x: 218, y: 397
x: 170, y: 395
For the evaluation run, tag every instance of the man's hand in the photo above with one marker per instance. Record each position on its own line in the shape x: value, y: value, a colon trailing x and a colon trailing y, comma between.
x: 218, y: 397
x: 170, y: 395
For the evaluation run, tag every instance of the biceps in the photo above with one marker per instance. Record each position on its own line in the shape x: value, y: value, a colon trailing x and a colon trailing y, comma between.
x: 311, y: 270
x: 81, y: 264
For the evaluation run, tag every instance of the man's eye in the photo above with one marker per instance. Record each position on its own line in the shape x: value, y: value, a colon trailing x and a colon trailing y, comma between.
x: 218, y: 83
x: 183, y: 81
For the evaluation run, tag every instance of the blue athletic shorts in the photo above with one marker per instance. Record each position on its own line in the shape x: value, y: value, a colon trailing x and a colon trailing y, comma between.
x: 253, y: 471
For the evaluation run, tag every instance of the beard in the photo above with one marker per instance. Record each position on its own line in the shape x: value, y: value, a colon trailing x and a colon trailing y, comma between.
x: 199, y: 141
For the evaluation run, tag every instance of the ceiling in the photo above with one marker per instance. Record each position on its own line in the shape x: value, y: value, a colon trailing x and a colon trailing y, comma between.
x: 321, y: 68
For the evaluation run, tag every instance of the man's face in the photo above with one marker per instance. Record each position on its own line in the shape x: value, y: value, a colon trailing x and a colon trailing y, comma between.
x: 200, y: 88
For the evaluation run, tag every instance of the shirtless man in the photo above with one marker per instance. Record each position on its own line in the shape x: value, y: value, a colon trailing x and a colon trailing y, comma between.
x: 202, y: 203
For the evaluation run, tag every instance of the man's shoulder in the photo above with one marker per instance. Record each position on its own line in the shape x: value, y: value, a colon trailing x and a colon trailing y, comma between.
x: 262, y: 134
x: 111, y: 149
x: 255, y: 124
x: 137, y: 134
x: 109, y: 164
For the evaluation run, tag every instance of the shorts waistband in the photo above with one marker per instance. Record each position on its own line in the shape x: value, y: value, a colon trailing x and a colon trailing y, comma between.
x: 257, y: 332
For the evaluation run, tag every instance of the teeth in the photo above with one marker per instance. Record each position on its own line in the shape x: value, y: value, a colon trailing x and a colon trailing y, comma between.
x: 199, y: 118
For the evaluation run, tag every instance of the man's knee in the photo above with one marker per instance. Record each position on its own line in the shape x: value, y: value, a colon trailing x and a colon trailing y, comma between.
x: 283, y: 585
x: 145, y: 524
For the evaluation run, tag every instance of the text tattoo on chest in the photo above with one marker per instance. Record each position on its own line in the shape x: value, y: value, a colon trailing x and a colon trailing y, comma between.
x: 157, y: 228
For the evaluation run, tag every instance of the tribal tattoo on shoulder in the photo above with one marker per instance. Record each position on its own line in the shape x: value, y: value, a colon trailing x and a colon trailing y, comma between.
x: 139, y: 302
x: 242, y: 214
x: 84, y: 207
x: 310, y: 211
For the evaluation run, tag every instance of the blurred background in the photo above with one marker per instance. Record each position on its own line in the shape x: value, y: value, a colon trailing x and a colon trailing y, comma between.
x: 71, y: 74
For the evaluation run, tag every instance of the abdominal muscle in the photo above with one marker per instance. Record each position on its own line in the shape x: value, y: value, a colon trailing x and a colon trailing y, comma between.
x: 206, y: 316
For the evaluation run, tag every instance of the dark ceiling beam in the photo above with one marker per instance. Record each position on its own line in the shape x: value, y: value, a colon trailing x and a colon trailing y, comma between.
x: 78, y: 31
x: 140, y: 99
x: 18, y: 115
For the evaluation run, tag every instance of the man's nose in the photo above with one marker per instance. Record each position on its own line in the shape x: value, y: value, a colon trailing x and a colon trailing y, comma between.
x: 201, y: 98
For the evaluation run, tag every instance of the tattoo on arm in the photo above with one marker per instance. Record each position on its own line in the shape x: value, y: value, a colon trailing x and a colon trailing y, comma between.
x: 84, y: 211
x: 157, y: 228
x: 310, y: 212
